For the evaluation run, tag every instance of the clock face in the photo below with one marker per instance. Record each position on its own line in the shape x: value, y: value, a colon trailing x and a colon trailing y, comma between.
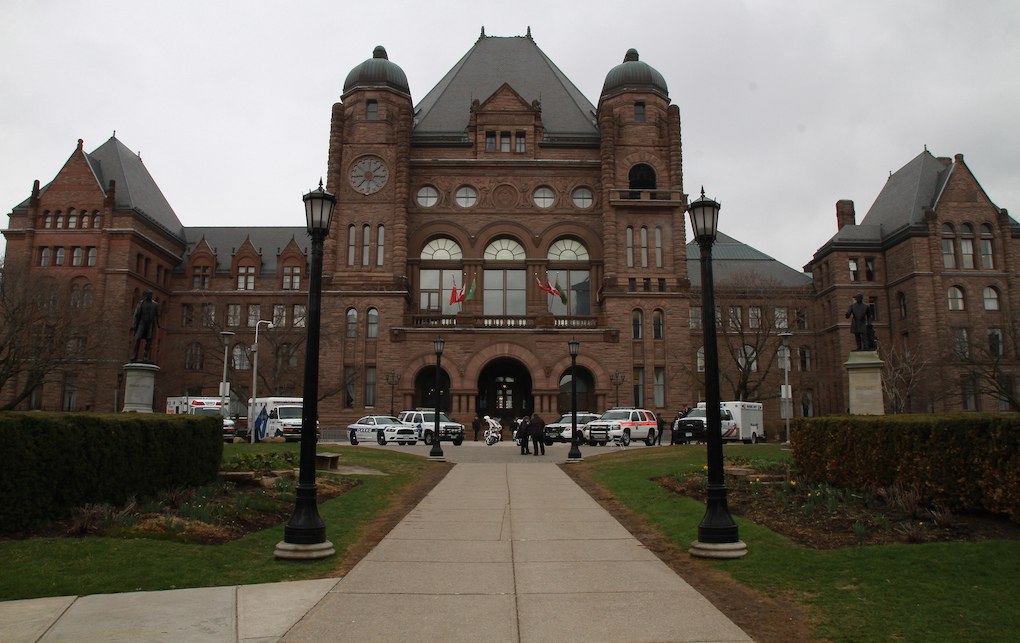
x: 368, y: 174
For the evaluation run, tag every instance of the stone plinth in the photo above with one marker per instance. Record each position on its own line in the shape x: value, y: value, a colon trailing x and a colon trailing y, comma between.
x: 865, y: 370
x: 139, y: 387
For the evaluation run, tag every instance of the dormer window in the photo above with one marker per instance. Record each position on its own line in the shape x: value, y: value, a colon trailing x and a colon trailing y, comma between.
x: 504, y: 142
x: 639, y: 112
x: 246, y: 277
x: 292, y: 277
x: 200, y: 277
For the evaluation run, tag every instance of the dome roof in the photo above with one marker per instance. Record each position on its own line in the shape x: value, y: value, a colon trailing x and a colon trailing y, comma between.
x: 376, y: 71
x: 633, y: 74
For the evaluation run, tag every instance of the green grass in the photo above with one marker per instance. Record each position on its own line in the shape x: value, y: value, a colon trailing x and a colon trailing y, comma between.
x: 40, y: 567
x: 924, y: 592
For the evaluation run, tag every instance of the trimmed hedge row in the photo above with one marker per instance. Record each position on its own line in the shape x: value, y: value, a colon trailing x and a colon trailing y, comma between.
x: 961, y: 461
x: 54, y: 462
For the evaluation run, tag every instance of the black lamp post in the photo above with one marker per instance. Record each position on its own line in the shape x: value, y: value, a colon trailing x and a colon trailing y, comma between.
x: 392, y: 378
x: 616, y: 379
x: 304, y: 537
x: 437, y: 451
x: 575, y: 451
x: 717, y: 533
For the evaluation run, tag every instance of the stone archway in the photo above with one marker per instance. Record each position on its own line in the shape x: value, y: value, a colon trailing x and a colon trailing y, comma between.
x: 504, y: 390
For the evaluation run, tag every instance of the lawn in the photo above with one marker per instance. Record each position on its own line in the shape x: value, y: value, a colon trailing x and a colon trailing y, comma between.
x: 39, y: 567
x: 958, y: 591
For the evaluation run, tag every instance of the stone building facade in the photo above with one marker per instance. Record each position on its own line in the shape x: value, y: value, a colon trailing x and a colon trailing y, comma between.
x: 509, y: 215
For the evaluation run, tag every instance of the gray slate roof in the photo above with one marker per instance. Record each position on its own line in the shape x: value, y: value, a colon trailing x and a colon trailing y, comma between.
x: 135, y: 188
x: 907, y: 193
x: 518, y: 62
x: 226, y: 240
x: 731, y: 258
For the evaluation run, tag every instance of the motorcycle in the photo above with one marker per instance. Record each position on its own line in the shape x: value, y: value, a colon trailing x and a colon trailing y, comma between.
x: 493, y: 432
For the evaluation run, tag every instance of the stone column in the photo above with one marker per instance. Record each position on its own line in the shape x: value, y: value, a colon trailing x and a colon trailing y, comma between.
x: 865, y: 371
x: 139, y: 387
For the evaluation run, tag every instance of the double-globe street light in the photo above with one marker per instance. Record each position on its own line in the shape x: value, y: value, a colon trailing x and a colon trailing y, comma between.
x: 392, y: 378
x: 717, y: 533
x: 616, y: 379
x: 437, y: 451
x: 575, y: 451
x: 304, y: 537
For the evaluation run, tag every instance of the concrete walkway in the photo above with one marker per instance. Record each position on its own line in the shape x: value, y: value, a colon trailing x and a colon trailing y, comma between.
x: 496, y: 552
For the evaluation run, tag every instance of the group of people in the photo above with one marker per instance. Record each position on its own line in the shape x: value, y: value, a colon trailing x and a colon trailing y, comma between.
x: 532, y: 426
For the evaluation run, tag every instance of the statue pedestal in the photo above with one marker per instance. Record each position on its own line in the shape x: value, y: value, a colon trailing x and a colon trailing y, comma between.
x: 139, y: 387
x: 865, y: 370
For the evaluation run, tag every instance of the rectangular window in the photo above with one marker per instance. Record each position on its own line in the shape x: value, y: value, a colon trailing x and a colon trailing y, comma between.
x: 995, y: 342
x: 254, y: 314
x: 948, y: 254
x: 632, y: 285
x: 490, y: 141
x: 639, y: 387
x: 967, y: 390
x: 366, y: 243
x: 380, y: 245
x: 505, y: 141
x: 780, y: 313
x: 349, y: 374
x: 503, y: 292
x: 292, y: 277
x: 200, y: 278
x: 855, y: 275
x: 370, y: 386
x: 695, y: 315
x: 298, y: 319
x: 58, y: 256
x: 279, y: 315
x: 233, y: 314
x: 959, y: 343
x: 435, y: 288
x: 754, y: 317
x: 660, y: 388
x: 873, y: 305
x: 647, y: 283
x: 352, y: 244
x: 967, y: 253
x: 44, y: 257
x: 208, y: 314
x: 187, y: 314
x: 800, y: 319
x: 372, y: 110
x: 662, y: 285
x: 869, y: 270
x: 577, y: 283
x: 76, y: 256
x: 520, y: 140
x: 639, y: 112
x: 736, y: 317
x: 987, y: 260
x: 246, y: 277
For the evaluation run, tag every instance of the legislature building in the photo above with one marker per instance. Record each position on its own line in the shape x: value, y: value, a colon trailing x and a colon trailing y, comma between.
x: 508, y: 214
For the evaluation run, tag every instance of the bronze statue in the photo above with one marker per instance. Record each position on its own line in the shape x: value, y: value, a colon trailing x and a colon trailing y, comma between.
x: 145, y: 324
x: 860, y: 316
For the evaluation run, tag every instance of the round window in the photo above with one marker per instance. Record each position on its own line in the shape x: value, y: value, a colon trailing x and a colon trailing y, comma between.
x: 583, y: 198
x: 428, y: 196
x: 466, y: 197
x: 544, y: 197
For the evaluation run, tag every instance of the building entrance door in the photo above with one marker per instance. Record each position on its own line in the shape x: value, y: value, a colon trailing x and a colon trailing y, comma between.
x: 504, y: 390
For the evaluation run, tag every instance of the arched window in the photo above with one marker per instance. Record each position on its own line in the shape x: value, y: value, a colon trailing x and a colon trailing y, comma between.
x: 86, y: 296
x: 380, y: 244
x: 372, y: 323
x: 644, y: 247
x: 991, y: 298
x: 657, y: 325
x: 575, y: 282
x: 987, y: 257
x: 60, y: 220
x: 44, y: 257
x: 352, y: 322
x: 967, y: 246
x: 442, y: 249
x: 48, y: 221
x: 352, y: 244
x: 641, y: 177
x: 701, y: 359
x: 568, y: 250
x: 366, y: 243
x: 72, y: 219
x: 658, y: 247
x: 84, y: 221
x: 630, y: 247
x: 902, y: 301
x: 75, y: 296
x: 97, y: 221
x: 956, y: 298
x: 240, y: 360
x: 504, y: 249
x: 948, y: 246
x: 286, y: 357
x: 194, y: 358
x: 434, y: 283
x: 637, y: 319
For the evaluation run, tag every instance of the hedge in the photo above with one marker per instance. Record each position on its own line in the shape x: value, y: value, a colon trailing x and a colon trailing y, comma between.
x: 54, y: 462
x: 960, y: 461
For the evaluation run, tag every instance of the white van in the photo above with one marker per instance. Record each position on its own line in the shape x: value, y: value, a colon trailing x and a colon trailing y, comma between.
x: 201, y: 406
x: 749, y: 420
x: 275, y: 417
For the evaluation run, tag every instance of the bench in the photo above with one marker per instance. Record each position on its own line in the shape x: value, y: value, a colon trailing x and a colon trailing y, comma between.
x: 327, y: 461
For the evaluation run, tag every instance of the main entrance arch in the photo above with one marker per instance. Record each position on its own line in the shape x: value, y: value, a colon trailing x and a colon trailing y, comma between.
x: 504, y: 389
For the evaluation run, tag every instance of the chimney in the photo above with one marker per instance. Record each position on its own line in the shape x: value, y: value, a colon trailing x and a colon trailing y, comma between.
x: 845, y: 213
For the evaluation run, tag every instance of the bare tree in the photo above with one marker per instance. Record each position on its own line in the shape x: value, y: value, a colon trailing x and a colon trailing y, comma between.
x: 44, y: 332
x: 991, y: 362
x: 904, y: 374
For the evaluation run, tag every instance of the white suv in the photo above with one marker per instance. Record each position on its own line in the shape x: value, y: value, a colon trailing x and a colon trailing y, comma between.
x: 559, y: 431
x: 622, y: 425
x: 424, y: 422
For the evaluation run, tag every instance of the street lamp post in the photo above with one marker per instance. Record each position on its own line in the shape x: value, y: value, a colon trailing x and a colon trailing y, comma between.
x: 437, y: 451
x: 717, y: 533
x: 255, y: 376
x: 304, y: 537
x: 575, y: 451
x: 616, y: 379
x: 224, y: 385
x: 787, y: 396
x: 392, y: 378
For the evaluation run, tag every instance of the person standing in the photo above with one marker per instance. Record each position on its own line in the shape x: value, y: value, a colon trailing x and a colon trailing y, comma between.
x: 522, y: 435
x: 660, y: 428
x: 537, y: 429
x: 476, y: 424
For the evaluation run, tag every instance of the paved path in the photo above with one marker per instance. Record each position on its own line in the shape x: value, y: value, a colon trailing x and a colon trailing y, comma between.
x: 511, y: 552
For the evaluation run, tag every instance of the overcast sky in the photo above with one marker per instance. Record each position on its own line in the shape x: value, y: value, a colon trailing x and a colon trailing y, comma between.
x: 786, y: 107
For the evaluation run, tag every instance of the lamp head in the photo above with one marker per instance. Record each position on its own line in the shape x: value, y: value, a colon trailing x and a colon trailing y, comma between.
x: 574, y: 345
x: 438, y: 344
x: 318, y: 209
x: 704, y: 218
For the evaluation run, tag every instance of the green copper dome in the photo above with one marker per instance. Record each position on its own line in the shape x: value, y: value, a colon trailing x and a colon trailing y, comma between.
x: 376, y: 71
x: 633, y: 74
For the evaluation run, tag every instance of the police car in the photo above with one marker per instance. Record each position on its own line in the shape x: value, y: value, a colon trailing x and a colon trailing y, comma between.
x: 382, y: 429
x: 559, y: 431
